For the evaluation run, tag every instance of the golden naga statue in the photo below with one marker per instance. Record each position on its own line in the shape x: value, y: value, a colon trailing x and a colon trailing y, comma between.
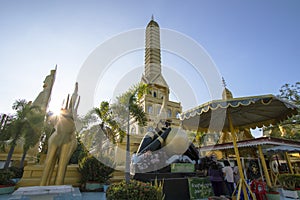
x: 43, y: 98
x: 62, y: 143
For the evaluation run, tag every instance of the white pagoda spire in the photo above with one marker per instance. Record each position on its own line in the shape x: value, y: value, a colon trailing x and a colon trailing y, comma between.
x: 152, y: 73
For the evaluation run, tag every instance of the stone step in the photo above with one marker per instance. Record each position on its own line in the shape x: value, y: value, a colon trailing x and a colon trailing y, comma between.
x: 33, y: 173
x: 47, y: 192
x: 117, y: 179
x: 25, y: 182
x: 118, y: 175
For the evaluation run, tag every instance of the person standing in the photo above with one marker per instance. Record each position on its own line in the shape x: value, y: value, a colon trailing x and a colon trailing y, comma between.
x: 216, y: 178
x: 228, y: 173
x: 236, y: 174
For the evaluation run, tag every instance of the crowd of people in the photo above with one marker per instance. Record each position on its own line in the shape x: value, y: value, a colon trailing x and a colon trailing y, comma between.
x: 224, y: 179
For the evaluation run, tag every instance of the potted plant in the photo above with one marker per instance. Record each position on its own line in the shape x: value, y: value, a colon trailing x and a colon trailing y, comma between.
x: 289, y: 182
x: 94, y: 173
x: 6, y: 184
x: 272, y: 194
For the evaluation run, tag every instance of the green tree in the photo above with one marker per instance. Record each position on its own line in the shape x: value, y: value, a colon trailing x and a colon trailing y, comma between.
x: 114, y: 118
x: 24, y: 123
x: 94, y: 130
x: 15, y: 129
x: 291, y: 92
x: 128, y: 105
x: 130, y: 101
x: 289, y: 128
x: 32, y: 129
x: 5, y: 121
x: 109, y: 125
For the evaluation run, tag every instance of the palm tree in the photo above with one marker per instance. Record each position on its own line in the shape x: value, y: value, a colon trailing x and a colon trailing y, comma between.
x: 5, y: 121
x: 115, y: 117
x: 15, y: 130
x: 24, y: 123
x: 109, y: 124
x: 32, y: 129
x: 128, y: 104
x: 129, y: 101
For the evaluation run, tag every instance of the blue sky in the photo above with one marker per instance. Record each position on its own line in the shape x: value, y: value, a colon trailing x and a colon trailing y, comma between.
x: 254, y: 44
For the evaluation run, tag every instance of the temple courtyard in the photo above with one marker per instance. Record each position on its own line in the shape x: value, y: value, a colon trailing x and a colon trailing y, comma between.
x: 87, y: 196
x: 84, y: 196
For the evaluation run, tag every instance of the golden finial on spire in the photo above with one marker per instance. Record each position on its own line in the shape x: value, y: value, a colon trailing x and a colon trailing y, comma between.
x: 226, y: 93
x: 224, y: 82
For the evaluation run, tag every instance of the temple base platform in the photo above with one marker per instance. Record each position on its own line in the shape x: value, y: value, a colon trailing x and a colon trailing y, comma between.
x: 33, y: 173
x: 47, y: 193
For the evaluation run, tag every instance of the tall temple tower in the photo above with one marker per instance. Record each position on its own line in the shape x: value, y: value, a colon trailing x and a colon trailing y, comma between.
x: 152, y: 73
x: 158, y: 98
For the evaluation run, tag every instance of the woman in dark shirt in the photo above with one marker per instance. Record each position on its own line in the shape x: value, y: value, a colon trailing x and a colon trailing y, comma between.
x: 216, y: 178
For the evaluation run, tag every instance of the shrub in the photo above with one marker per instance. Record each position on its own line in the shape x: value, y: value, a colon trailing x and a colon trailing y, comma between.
x: 93, y: 170
x: 135, y: 190
x: 79, y: 153
x: 18, y: 172
x: 289, y: 181
x: 6, y: 176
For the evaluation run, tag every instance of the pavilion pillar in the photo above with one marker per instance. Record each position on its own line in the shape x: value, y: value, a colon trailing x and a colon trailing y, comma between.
x: 242, y: 185
x: 287, y: 157
x: 264, y: 166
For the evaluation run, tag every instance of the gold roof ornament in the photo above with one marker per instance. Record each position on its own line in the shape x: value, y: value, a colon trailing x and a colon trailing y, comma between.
x: 227, y: 94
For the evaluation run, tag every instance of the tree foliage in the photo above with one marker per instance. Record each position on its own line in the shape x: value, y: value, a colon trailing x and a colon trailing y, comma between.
x: 129, y: 102
x: 291, y: 92
x: 109, y: 120
x: 26, y: 123
x: 109, y: 124
x: 290, y: 128
x: 5, y: 122
x: 79, y: 153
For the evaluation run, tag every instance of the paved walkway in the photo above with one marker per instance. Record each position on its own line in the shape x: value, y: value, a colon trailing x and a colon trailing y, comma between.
x: 84, y: 195
x: 93, y: 196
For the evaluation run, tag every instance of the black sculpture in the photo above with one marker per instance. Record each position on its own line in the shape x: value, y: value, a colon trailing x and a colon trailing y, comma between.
x: 151, y: 154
